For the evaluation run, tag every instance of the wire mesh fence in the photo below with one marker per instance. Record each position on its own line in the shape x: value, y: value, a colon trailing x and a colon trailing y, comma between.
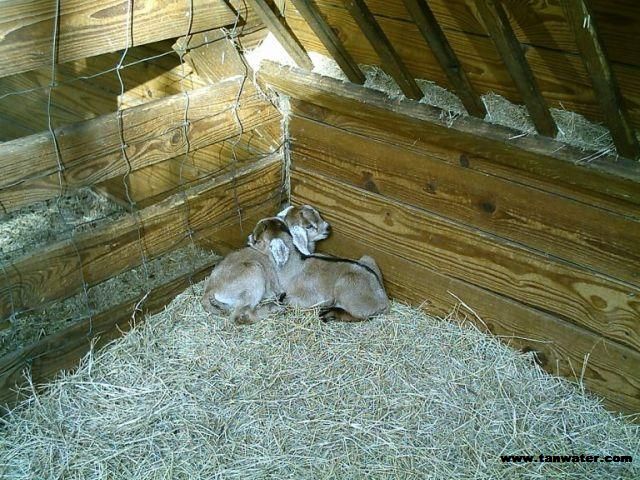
x: 66, y: 219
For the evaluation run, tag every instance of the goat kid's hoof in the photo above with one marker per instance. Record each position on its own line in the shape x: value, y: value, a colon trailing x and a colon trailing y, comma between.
x: 328, y: 315
x: 280, y: 298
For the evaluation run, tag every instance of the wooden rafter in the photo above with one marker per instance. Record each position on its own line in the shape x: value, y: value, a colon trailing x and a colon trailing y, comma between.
x: 329, y: 39
x: 435, y: 38
x: 497, y: 24
x: 279, y: 30
x: 582, y: 22
x: 388, y: 56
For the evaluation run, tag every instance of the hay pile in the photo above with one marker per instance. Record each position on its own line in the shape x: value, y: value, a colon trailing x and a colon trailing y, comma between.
x: 190, y: 396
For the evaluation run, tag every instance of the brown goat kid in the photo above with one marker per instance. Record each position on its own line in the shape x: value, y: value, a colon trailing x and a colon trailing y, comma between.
x: 246, y: 277
x: 347, y: 290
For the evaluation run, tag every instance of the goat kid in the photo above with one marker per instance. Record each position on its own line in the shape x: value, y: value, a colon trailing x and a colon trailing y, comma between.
x: 246, y: 277
x: 346, y: 290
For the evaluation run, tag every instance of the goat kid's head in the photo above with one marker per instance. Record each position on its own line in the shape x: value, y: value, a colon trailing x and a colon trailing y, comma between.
x: 306, y: 227
x: 271, y: 236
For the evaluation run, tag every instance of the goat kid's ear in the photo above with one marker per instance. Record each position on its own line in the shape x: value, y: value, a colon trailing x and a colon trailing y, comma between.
x: 284, y: 212
x: 300, y: 239
x: 279, y: 252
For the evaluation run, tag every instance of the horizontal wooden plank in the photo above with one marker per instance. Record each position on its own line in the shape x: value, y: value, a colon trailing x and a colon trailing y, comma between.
x: 610, y: 369
x: 156, y: 182
x: 409, y: 134
x: 64, y: 349
x: 57, y: 271
x: 561, y: 77
x: 547, y: 222
x: 602, y: 305
x: 542, y: 157
x: 87, y: 28
x: 91, y: 151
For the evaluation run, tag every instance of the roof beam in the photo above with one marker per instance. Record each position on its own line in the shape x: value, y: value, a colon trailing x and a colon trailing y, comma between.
x: 435, y: 38
x: 330, y: 40
x: 390, y: 59
x: 279, y: 30
x: 582, y: 22
x: 497, y: 24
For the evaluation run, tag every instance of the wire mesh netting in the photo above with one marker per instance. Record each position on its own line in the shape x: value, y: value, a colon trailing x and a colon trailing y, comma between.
x: 64, y: 219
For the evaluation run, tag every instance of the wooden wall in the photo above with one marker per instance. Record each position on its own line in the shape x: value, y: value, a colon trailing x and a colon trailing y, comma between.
x: 544, y: 251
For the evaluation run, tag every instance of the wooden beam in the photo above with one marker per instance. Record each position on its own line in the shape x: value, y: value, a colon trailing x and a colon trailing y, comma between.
x: 154, y: 183
x: 330, y: 40
x: 390, y: 59
x: 434, y: 36
x: 600, y: 304
x: 560, y: 75
x: 282, y: 33
x: 497, y: 24
x: 583, y: 24
x: 606, y: 368
x: 26, y: 27
x: 212, y: 55
x: 91, y: 151
x: 62, y: 350
x: 55, y: 272
x: 475, y: 139
x: 544, y: 221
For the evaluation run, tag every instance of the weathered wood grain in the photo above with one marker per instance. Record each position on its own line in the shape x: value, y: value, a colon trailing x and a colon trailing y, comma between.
x: 281, y: 32
x: 91, y: 151
x: 544, y: 158
x: 410, y: 135
x: 550, y: 223
x: 389, y: 58
x: 426, y: 22
x: 212, y: 55
x: 56, y: 271
x: 89, y: 28
x: 583, y: 24
x: 603, y: 305
x: 610, y: 369
x: 156, y: 182
x: 330, y: 40
x: 537, y: 24
x: 497, y: 24
x: 561, y: 77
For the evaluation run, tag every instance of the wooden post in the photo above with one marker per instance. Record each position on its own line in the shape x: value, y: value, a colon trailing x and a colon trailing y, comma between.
x: 583, y: 25
x: 329, y: 39
x: 282, y: 33
x: 435, y: 38
x: 497, y: 24
x: 388, y: 56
